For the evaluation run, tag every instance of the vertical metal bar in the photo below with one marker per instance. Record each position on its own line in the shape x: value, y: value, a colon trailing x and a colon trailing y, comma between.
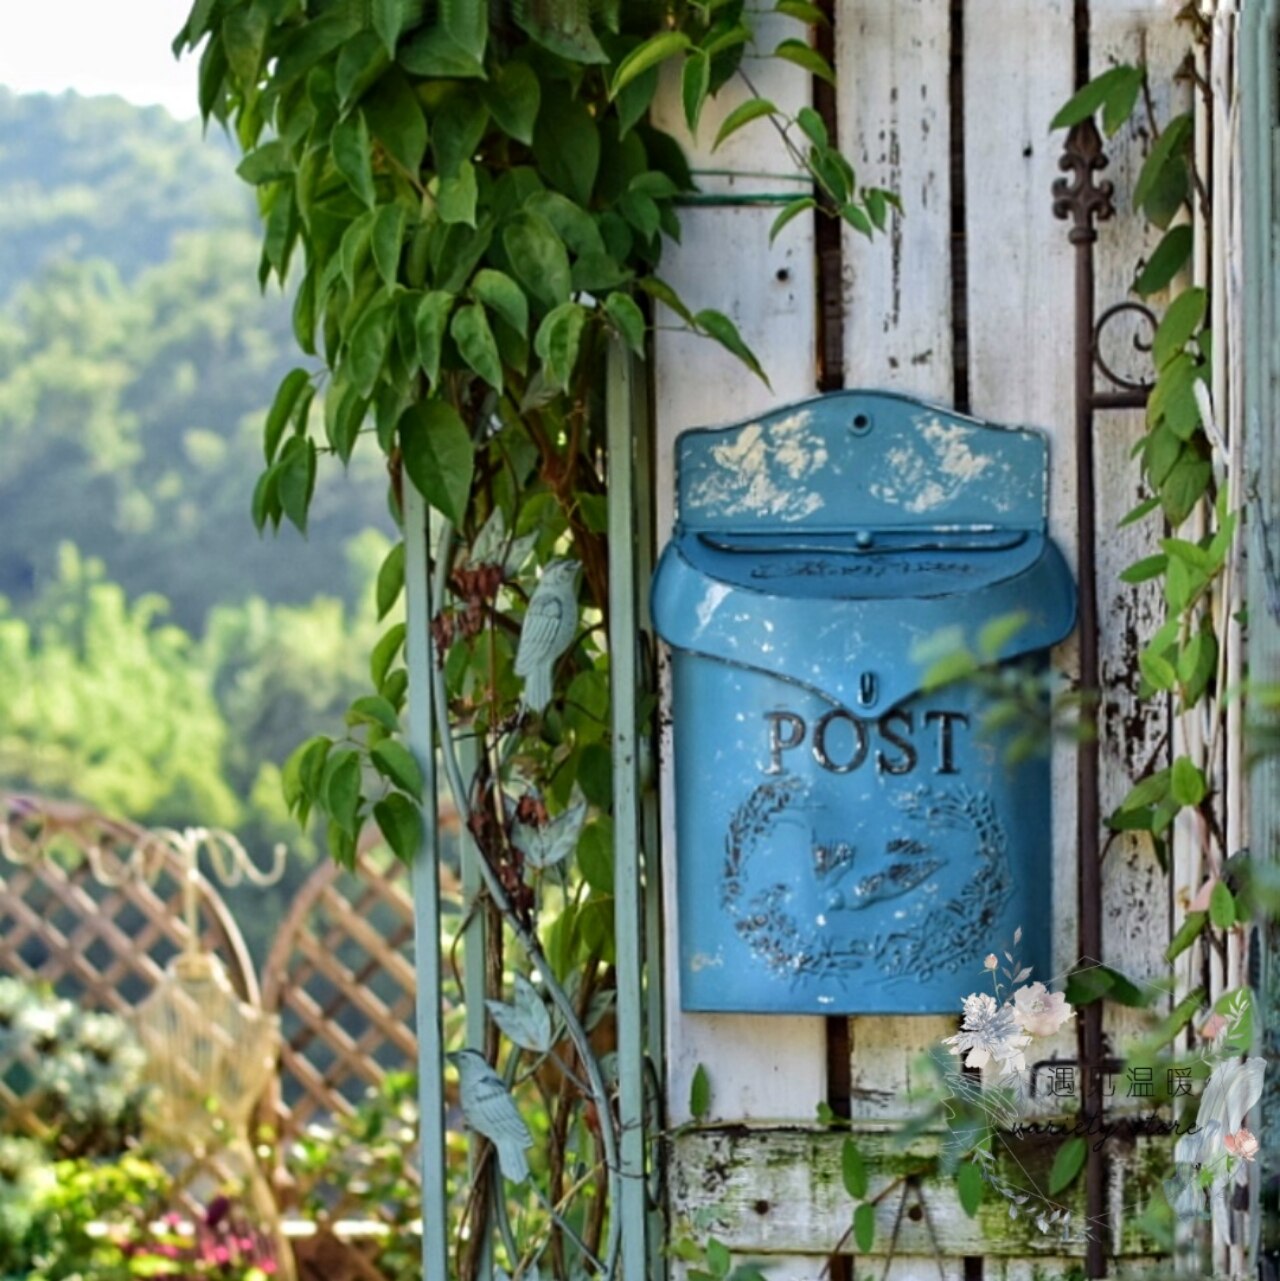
x: 426, y: 896
x: 1261, y: 492
x: 1084, y: 201
x: 628, y: 894
x: 650, y: 821
x: 1089, y: 819
x: 647, y: 747
x: 827, y: 233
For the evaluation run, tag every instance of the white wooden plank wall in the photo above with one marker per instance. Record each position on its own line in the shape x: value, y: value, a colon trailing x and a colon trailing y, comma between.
x: 895, y: 127
x: 893, y: 58
x: 1019, y: 69
x: 1135, y: 892
x: 894, y: 64
x: 759, y: 1068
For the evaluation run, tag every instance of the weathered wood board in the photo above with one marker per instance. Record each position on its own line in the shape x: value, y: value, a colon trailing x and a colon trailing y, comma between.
x: 781, y: 1189
x: 893, y: 58
x: 1007, y: 332
x: 759, y: 1067
x: 1132, y: 733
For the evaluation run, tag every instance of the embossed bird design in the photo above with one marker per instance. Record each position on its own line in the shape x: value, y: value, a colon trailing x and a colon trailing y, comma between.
x: 548, y: 630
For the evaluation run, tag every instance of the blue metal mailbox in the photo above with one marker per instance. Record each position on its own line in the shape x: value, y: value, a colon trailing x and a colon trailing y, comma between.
x: 846, y: 842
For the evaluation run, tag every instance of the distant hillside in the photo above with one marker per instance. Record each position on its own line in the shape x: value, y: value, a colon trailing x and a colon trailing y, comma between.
x: 98, y: 177
x: 137, y: 361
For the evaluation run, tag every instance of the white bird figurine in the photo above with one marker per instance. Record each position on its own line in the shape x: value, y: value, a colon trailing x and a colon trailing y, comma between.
x: 548, y: 630
x: 489, y: 1110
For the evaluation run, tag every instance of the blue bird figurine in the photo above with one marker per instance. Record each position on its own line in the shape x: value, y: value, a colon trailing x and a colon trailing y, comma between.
x: 489, y: 1110
x: 548, y: 630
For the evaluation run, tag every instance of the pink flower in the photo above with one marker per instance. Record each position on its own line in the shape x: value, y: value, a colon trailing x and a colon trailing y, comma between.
x: 1040, y: 1011
x: 1213, y: 1027
x: 991, y: 962
x: 1241, y: 1144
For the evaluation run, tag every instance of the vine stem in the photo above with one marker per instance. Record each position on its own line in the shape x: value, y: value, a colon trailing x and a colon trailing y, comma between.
x: 527, y: 938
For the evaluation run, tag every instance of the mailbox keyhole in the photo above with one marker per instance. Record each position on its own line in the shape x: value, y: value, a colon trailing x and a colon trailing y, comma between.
x: 861, y: 424
x: 867, y: 692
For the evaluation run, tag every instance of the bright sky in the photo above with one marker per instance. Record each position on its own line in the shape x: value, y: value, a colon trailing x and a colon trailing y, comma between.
x: 98, y: 46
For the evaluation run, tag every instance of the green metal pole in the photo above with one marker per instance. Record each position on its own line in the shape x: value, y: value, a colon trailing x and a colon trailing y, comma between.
x: 650, y: 821
x: 426, y: 896
x: 627, y: 878
x: 1258, y: 108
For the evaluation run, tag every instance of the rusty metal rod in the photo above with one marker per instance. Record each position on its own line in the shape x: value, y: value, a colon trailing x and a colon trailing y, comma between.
x: 1084, y: 202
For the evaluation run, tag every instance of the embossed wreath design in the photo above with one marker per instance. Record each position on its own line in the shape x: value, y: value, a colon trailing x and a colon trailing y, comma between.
x: 946, y: 938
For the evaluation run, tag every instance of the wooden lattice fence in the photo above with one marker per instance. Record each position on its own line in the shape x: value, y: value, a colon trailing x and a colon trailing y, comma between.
x: 77, y: 916
x: 340, y: 975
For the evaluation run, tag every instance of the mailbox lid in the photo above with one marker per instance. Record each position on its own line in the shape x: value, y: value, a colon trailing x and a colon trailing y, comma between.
x: 832, y: 537
x: 826, y: 642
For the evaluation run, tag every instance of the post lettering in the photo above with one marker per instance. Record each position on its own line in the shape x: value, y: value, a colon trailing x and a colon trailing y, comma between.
x: 777, y: 743
x: 946, y: 741
x: 820, y: 752
x: 905, y: 763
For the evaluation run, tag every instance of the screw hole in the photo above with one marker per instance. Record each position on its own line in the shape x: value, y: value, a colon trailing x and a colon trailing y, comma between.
x: 915, y: 1214
x: 782, y: 274
x: 861, y: 424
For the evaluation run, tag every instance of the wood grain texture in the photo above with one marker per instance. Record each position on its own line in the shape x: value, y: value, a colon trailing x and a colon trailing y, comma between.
x: 1133, y: 733
x: 1018, y: 58
x: 895, y: 127
x: 759, y: 1067
x: 892, y: 63
x: 781, y: 1190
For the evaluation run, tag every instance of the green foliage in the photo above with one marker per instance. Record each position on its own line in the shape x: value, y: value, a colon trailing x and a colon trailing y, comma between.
x: 1178, y: 456
x: 853, y: 1170
x: 100, y: 699
x: 1067, y: 1163
x: 1114, y: 92
x: 700, y: 1094
x: 354, y: 1166
x: 126, y: 412
x: 467, y: 253
x: 475, y: 206
x: 96, y: 178
x: 864, y: 1227
x: 51, y: 1213
x: 1022, y: 702
x: 1090, y: 983
x: 970, y: 1186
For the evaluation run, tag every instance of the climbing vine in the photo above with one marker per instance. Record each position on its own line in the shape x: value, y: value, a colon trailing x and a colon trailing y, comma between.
x: 469, y: 203
x: 1193, y: 488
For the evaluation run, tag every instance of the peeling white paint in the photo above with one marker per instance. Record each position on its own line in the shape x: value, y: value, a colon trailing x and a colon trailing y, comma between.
x: 711, y: 601
x: 761, y: 473
x: 921, y: 478
x: 949, y: 443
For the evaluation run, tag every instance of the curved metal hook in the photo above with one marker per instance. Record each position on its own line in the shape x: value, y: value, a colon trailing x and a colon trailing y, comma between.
x: 1147, y: 316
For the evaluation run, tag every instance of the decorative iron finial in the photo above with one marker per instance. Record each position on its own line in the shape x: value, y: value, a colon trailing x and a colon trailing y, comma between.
x: 1079, y: 197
